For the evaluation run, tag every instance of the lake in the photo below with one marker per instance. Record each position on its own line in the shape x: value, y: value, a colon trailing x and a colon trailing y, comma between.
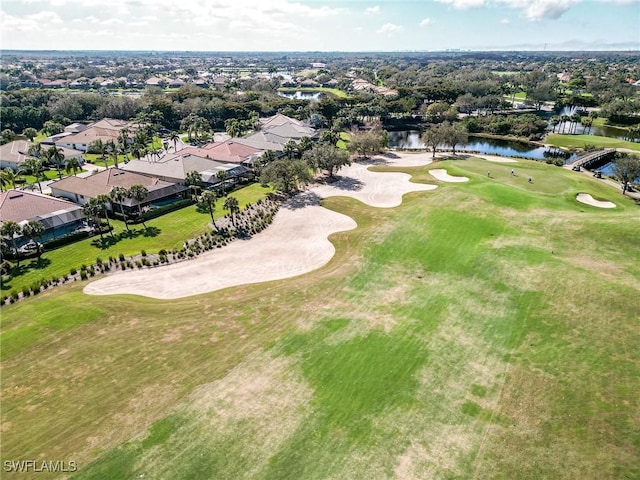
x: 491, y: 146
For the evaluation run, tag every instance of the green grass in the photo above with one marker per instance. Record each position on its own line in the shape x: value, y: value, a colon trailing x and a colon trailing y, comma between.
x: 581, y: 141
x: 166, y: 232
x: 480, y: 330
x: 344, y: 138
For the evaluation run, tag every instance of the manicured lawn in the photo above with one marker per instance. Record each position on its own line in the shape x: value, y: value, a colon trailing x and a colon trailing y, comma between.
x: 344, y: 138
x: 581, y: 141
x: 166, y: 232
x: 481, y: 330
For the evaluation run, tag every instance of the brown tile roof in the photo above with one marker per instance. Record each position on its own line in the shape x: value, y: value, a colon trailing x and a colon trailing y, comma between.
x: 231, y: 151
x: 101, y: 183
x: 19, y: 205
x: 15, y: 152
x: 105, y: 130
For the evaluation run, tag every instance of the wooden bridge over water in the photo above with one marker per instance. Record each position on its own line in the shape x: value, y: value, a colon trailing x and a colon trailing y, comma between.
x: 593, y: 159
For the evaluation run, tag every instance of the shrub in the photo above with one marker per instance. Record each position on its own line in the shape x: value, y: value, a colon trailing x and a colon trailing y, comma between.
x: 83, y: 267
x: 73, y: 271
x: 98, y: 261
x: 83, y: 274
x: 26, y: 292
x: 143, y: 253
x: 121, y: 257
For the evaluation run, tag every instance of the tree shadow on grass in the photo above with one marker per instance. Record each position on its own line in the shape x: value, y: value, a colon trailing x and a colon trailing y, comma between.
x: 151, y: 232
x: 23, y: 269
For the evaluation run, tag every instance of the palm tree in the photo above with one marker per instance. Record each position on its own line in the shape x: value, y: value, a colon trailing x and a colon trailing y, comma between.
x: 231, y: 204
x: 34, y: 230
x: 208, y: 201
x: 174, y: 137
x: 72, y: 165
x: 305, y: 144
x: 102, y: 147
x: 193, y: 180
x: 56, y: 155
x: 138, y: 150
x: 554, y: 121
x: 103, y: 200
x: 35, y: 167
x: 232, y: 126
x: 8, y: 177
x: 35, y: 151
x: 575, y: 120
x: 587, y: 122
x: 222, y: 176
x: 91, y: 210
x: 290, y: 149
x: 123, y: 141
x: 564, y: 119
x: 139, y: 194
x: 119, y: 195
x: 9, y: 230
x: 114, y: 148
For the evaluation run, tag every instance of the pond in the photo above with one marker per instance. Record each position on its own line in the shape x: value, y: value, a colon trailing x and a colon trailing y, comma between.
x: 490, y: 146
x: 603, y: 131
x: 299, y: 95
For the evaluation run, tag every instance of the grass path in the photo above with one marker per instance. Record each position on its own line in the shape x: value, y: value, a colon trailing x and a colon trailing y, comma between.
x: 581, y: 141
x: 481, y: 330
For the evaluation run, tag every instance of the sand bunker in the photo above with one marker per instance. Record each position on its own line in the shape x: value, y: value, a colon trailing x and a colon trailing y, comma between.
x: 383, y: 190
x: 295, y: 243
x: 589, y: 200
x: 442, y: 175
x: 496, y: 159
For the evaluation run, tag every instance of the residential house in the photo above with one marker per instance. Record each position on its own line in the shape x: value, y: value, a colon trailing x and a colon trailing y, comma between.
x: 81, y: 189
x: 231, y: 151
x: 106, y: 130
x: 59, y: 217
x: 12, y: 154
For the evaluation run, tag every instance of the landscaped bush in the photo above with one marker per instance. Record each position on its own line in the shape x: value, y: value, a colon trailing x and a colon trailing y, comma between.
x: 58, y: 242
x: 73, y: 271
x: 83, y: 274
x: 121, y: 257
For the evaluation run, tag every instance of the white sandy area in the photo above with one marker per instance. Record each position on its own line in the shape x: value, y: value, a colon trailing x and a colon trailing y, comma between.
x: 383, y: 190
x: 295, y: 243
x: 589, y: 200
x: 495, y: 158
x: 442, y: 175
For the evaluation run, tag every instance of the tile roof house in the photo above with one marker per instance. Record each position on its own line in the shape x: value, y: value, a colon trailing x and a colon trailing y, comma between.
x: 231, y: 151
x: 12, y: 154
x: 59, y: 217
x: 81, y: 189
x: 174, y: 168
x: 106, y: 129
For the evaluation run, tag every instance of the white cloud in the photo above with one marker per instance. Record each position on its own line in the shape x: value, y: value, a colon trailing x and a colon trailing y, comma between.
x: 390, y: 28
x: 464, y: 4
x: 28, y: 23
x: 533, y: 10
x: 426, y: 22
x: 372, y: 10
x: 505, y: 21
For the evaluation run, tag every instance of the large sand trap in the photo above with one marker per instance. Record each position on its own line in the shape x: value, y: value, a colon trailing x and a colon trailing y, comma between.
x: 589, y: 200
x: 373, y: 188
x: 295, y: 243
x: 442, y: 175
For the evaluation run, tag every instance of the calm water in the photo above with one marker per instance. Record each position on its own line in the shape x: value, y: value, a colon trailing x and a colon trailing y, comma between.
x: 489, y: 146
x: 604, y: 131
x: 298, y: 95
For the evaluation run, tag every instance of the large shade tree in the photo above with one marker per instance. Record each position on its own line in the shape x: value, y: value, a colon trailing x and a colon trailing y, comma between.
x: 286, y: 175
x: 626, y: 168
x: 326, y: 157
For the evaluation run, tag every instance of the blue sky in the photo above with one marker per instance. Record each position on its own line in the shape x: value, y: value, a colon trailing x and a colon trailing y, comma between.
x: 289, y: 25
